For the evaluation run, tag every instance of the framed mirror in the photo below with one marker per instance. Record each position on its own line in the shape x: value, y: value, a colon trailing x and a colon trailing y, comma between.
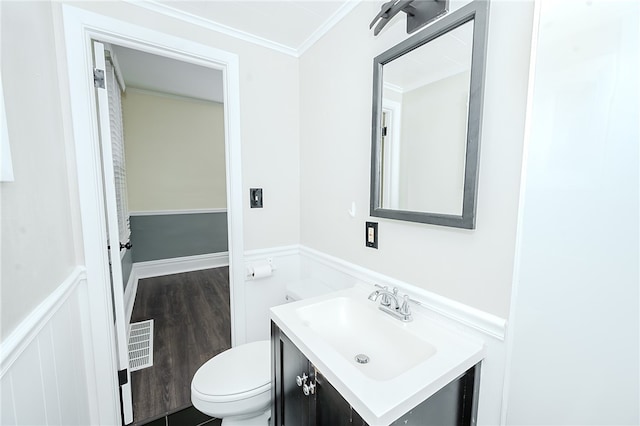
x: 427, y: 112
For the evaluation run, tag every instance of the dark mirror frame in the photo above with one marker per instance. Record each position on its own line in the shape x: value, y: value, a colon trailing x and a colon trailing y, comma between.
x: 478, y: 12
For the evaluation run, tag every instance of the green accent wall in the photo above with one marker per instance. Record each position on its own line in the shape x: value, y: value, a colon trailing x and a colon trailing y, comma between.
x: 168, y: 236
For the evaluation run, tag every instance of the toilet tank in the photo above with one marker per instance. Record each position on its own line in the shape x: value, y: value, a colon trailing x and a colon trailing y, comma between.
x: 306, y: 288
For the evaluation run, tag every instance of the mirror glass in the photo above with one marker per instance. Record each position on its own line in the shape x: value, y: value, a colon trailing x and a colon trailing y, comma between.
x: 426, y: 122
x: 425, y: 98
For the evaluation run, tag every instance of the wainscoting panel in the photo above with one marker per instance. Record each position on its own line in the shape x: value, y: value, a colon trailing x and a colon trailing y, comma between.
x: 43, y: 369
x: 8, y: 412
x: 28, y: 387
x: 263, y: 293
x: 50, y: 375
x: 344, y: 274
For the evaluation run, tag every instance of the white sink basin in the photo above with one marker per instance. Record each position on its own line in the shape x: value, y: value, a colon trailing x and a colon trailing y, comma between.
x: 353, y: 328
x: 408, y: 362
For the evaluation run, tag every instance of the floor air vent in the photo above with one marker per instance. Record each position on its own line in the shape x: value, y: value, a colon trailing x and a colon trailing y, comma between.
x: 140, y: 345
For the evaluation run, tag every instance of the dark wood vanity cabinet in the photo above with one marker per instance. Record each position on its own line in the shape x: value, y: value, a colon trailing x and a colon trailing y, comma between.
x: 455, y: 404
x: 294, y: 407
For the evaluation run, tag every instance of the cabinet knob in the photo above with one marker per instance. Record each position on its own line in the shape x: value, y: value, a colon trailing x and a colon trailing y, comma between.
x: 302, y: 380
x: 309, y: 389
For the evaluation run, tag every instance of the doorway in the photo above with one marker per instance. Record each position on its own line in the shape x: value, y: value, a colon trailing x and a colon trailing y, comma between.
x: 168, y: 139
x: 80, y: 27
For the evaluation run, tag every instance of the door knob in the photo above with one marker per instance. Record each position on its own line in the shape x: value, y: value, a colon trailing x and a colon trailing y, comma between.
x: 302, y: 380
x: 309, y: 389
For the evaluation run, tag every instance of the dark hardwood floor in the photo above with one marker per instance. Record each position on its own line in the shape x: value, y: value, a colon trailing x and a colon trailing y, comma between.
x: 191, y: 324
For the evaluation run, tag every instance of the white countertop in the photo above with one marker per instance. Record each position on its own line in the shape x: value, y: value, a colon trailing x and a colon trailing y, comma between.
x: 380, y: 402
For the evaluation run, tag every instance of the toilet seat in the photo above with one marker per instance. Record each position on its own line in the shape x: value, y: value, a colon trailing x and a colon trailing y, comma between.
x: 238, y: 373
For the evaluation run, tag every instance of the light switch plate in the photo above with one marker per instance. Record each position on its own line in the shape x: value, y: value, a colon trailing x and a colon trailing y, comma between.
x: 371, y: 234
x: 255, y: 195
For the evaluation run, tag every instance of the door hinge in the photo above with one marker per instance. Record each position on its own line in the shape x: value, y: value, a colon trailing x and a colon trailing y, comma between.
x: 384, y: 131
x: 98, y: 78
x: 122, y: 377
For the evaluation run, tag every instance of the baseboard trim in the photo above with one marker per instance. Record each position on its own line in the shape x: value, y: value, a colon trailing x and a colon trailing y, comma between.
x: 30, y: 327
x: 177, y: 265
x: 477, y: 319
x: 161, y: 267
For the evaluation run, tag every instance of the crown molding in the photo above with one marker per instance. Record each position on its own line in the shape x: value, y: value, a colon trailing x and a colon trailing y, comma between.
x: 343, y: 11
x: 212, y: 25
x: 296, y: 52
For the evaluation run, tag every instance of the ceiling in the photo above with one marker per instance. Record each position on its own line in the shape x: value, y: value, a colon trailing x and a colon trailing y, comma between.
x: 287, y: 26
x: 156, y: 73
x: 290, y: 26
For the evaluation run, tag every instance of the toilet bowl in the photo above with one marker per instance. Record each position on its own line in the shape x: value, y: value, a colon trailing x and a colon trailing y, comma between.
x: 235, y: 385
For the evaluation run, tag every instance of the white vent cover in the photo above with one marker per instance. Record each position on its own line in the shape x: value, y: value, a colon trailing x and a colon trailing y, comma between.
x: 140, y: 345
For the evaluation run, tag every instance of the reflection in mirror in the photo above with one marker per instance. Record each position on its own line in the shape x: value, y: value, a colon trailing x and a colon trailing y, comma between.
x: 425, y: 100
x: 427, y: 104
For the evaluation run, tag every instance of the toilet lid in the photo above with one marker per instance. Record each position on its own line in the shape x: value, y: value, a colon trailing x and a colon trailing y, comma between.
x: 244, y: 369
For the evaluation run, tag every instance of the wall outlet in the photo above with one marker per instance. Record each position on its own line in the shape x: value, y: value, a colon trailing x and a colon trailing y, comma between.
x: 371, y: 234
x: 255, y: 195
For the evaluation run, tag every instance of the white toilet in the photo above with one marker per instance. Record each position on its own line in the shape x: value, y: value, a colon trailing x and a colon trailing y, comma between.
x: 235, y: 385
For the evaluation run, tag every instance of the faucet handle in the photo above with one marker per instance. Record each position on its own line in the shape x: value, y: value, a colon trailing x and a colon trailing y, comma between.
x: 405, y: 309
x: 384, y: 294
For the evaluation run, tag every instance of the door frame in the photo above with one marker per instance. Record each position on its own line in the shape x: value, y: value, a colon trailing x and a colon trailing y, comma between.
x: 80, y: 28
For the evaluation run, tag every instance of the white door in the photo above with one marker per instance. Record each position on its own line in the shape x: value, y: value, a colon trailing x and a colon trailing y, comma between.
x: 113, y: 233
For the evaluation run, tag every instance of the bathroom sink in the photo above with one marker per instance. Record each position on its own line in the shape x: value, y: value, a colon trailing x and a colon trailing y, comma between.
x: 355, y: 328
x: 407, y: 361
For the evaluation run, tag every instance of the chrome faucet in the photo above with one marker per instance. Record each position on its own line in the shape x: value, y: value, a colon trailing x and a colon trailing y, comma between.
x: 386, y: 297
x: 389, y: 303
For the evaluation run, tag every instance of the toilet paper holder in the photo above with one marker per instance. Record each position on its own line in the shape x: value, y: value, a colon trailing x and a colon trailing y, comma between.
x: 260, y: 269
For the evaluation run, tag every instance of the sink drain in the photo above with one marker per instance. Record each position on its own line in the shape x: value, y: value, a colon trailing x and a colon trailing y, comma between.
x: 362, y: 359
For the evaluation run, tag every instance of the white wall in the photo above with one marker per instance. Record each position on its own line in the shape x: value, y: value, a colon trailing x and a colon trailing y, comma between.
x: 40, y: 213
x: 318, y: 138
x: 269, y: 131
x: 41, y: 230
x: 433, y: 142
x: 174, y: 152
x: 575, y: 336
x: 38, y: 235
x: 472, y: 267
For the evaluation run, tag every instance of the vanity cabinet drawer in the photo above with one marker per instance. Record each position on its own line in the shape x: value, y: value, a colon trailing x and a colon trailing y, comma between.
x: 302, y: 395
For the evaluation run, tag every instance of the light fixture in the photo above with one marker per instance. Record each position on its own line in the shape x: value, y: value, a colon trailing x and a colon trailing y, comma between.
x: 419, y: 13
